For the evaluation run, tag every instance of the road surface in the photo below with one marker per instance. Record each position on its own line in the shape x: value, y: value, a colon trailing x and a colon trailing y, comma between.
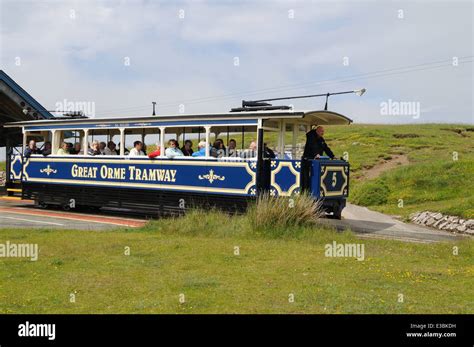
x: 15, y: 213
x: 367, y: 223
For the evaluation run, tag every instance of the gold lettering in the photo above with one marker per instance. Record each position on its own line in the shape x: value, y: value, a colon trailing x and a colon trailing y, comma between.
x: 131, y: 169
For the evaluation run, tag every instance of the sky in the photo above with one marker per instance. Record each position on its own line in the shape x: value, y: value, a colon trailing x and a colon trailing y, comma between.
x: 415, y: 58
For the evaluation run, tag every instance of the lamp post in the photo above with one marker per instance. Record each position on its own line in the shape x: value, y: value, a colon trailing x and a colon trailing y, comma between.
x: 154, y: 104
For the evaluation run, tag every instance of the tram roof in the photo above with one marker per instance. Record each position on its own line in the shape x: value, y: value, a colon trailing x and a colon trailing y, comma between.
x: 322, y: 117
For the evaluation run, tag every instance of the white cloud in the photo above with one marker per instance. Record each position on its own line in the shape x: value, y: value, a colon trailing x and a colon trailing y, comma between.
x: 175, y: 59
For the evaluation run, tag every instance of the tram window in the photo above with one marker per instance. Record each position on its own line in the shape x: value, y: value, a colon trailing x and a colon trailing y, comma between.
x: 109, y: 140
x: 68, y: 142
x: 42, y: 141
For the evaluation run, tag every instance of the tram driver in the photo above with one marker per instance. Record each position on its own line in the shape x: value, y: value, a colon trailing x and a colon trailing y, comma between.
x: 315, y: 145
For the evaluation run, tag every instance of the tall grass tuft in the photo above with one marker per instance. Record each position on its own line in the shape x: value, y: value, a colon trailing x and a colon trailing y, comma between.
x: 282, y: 215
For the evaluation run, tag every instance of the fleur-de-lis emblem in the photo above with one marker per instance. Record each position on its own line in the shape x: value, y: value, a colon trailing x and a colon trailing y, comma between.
x: 48, y: 170
x: 211, y: 177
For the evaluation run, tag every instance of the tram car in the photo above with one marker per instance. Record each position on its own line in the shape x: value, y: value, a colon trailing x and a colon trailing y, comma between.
x: 165, y: 185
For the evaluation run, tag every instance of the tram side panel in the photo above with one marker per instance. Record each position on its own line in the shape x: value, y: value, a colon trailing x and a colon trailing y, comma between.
x: 329, y: 182
x: 162, y: 184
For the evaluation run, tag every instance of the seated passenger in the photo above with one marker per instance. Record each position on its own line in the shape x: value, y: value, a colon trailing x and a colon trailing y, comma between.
x: 187, y: 148
x: 102, y: 147
x: 111, y: 149
x: 76, y: 149
x: 31, y: 149
x: 218, y: 150
x: 47, y: 148
x: 173, y: 149
x: 64, y: 150
x: 251, y: 152
x: 222, y: 146
x: 125, y: 149
x: 70, y: 148
x: 95, y: 148
x: 201, y: 152
x: 232, y: 148
x: 137, y: 150
x: 268, y: 152
x: 156, y: 152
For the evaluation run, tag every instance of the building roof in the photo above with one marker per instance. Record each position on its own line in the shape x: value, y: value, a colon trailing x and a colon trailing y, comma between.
x: 13, y: 101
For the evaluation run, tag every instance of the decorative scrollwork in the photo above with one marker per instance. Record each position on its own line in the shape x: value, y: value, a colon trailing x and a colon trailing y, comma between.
x: 211, y: 177
x: 48, y: 170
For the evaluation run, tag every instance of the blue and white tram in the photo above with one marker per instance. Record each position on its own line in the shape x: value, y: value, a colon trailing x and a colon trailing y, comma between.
x: 168, y: 185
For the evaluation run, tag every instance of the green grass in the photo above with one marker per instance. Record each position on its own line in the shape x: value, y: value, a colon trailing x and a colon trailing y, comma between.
x: 2, y: 166
x: 194, y: 256
x: 433, y: 180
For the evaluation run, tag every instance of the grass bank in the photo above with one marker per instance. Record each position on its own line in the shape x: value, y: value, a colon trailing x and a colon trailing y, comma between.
x: 223, y: 265
x: 438, y: 176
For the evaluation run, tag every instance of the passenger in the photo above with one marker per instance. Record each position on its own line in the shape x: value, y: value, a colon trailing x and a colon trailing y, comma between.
x: 47, y: 148
x: 218, y: 149
x: 125, y: 150
x: 31, y: 149
x: 137, y: 151
x: 201, y: 152
x: 102, y: 147
x: 187, y: 148
x: 268, y: 152
x: 111, y: 149
x: 64, y: 150
x: 251, y: 152
x: 173, y: 149
x: 232, y: 148
x: 222, y: 144
x: 156, y: 152
x: 95, y: 148
x: 77, y: 148
x: 70, y: 148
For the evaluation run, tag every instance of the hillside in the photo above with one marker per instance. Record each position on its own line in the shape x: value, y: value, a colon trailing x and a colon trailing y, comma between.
x: 433, y: 170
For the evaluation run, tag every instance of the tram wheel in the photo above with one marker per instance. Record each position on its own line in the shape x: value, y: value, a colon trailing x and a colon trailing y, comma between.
x: 41, y: 204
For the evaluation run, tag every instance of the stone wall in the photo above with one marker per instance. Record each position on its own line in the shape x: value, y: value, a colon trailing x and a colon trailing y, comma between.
x: 3, y: 178
x: 443, y: 222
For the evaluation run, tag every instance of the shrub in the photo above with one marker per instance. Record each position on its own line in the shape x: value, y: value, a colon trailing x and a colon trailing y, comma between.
x: 271, y: 215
